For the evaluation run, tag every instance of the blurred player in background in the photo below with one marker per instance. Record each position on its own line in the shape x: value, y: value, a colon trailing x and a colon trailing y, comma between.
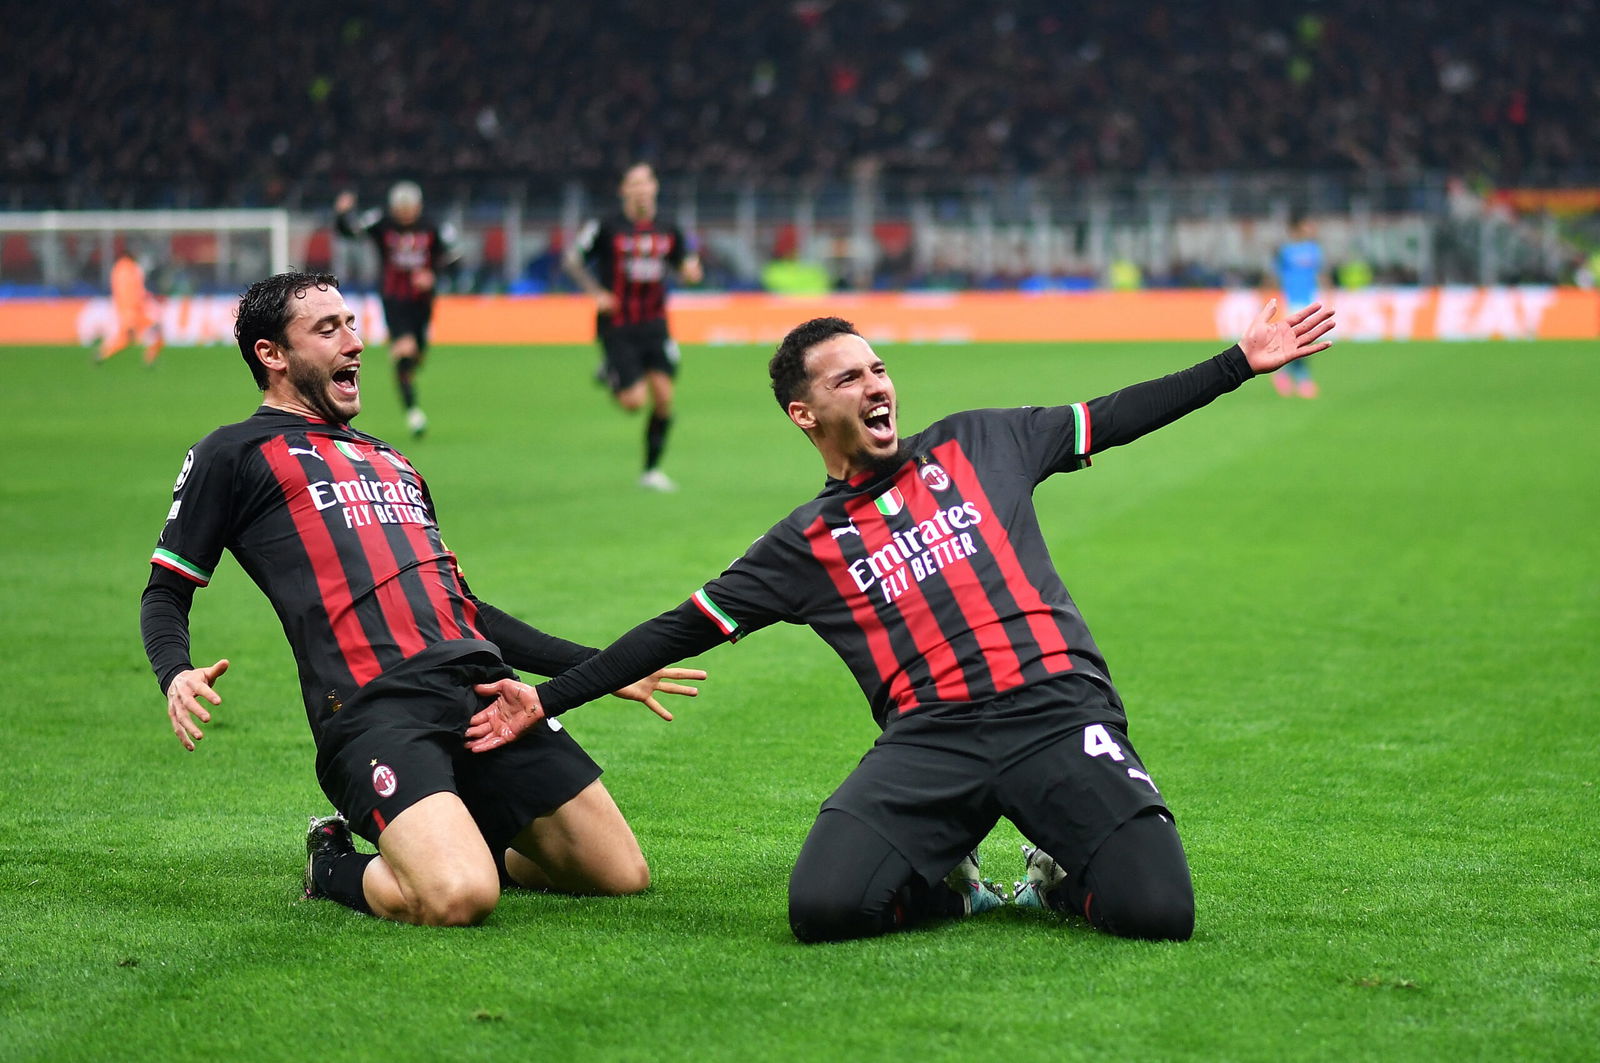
x: 1299, y: 267
x: 923, y: 566
x: 622, y: 263
x: 339, y: 531
x: 136, y: 310
x: 413, y: 250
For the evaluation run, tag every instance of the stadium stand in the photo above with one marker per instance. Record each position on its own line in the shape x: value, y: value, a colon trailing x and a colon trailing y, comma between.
x: 248, y: 103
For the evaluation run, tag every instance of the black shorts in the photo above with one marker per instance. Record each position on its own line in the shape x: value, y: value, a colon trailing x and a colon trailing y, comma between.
x: 936, y: 781
x: 400, y: 738
x: 409, y: 317
x: 633, y: 350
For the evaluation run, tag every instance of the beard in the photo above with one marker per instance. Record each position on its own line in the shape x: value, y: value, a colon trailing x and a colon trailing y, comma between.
x: 314, y: 385
x: 883, y: 465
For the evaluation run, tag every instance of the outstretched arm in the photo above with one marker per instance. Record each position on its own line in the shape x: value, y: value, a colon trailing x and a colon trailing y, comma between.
x: 641, y: 654
x: 1125, y: 415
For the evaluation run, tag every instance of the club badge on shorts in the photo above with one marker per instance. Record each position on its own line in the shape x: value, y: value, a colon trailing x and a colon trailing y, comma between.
x: 384, y: 780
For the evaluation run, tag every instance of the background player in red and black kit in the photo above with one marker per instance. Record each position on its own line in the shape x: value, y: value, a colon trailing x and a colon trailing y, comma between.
x: 922, y: 564
x: 338, y: 530
x: 622, y: 262
x: 412, y: 251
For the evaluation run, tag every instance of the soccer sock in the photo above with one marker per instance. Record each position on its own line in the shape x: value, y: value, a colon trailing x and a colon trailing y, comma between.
x: 340, y: 879
x: 655, y: 439
x: 405, y: 371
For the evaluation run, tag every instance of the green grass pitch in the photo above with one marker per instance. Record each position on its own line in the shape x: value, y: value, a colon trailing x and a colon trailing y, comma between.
x: 1356, y: 636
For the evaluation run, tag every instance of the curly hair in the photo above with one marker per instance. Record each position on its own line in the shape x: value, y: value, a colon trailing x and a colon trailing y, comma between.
x: 787, y: 369
x: 265, y: 312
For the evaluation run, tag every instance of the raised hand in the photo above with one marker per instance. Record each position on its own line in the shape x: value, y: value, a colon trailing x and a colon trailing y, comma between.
x: 1269, y: 345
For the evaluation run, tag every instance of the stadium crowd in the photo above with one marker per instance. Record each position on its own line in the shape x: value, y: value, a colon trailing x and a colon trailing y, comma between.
x: 245, y: 102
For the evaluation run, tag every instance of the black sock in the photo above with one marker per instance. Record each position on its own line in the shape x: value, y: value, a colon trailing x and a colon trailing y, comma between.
x: 405, y: 370
x: 340, y: 879
x: 655, y: 439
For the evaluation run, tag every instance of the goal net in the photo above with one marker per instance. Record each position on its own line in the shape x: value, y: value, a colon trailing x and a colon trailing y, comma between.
x: 183, y: 252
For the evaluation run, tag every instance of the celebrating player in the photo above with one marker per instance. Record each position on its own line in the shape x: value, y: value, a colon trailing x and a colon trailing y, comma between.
x: 622, y: 263
x: 922, y: 565
x: 136, y: 312
x: 412, y: 250
x: 338, y: 530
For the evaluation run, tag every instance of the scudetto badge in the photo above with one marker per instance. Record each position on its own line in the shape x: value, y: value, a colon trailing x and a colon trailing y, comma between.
x: 384, y: 780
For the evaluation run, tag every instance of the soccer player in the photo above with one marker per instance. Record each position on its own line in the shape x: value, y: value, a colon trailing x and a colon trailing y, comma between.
x: 1299, y: 267
x: 622, y: 262
x: 339, y: 531
x: 922, y: 564
x: 412, y: 251
x: 136, y: 312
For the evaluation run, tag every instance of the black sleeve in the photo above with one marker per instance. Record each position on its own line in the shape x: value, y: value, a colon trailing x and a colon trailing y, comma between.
x: 164, y: 623
x: 1123, y: 416
x: 525, y: 647
x: 654, y: 644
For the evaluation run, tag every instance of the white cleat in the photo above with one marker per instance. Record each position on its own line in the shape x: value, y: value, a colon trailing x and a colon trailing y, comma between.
x: 656, y: 480
x: 416, y: 420
x: 1044, y: 875
x: 976, y: 894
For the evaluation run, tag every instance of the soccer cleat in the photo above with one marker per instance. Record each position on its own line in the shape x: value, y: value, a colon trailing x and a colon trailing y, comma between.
x: 327, y: 837
x: 656, y: 480
x: 1044, y: 875
x: 977, y: 895
x: 416, y: 420
x: 1282, y: 382
x: 1307, y: 388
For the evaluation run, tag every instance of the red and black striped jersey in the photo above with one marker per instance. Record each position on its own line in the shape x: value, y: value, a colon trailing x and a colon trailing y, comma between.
x: 402, y: 250
x: 932, y: 583
x: 337, y: 529
x: 631, y: 260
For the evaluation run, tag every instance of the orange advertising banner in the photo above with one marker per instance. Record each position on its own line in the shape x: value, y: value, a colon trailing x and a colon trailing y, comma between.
x: 1528, y: 312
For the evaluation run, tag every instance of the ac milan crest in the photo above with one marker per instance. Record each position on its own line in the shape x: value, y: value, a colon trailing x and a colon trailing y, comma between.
x: 384, y: 780
x: 935, y: 477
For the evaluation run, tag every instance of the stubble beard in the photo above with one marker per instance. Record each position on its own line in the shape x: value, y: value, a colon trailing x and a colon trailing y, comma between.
x: 312, y: 385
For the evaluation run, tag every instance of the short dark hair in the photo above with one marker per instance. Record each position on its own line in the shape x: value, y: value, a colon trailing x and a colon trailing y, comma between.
x: 264, y: 313
x: 788, y: 366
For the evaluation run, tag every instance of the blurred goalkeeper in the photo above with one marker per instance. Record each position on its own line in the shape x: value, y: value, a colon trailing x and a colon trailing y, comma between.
x: 338, y: 530
x: 413, y: 251
x: 922, y: 565
x: 137, y: 312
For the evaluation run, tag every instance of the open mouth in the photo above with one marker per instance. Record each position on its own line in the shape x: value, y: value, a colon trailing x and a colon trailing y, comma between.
x: 880, y: 423
x: 347, y: 380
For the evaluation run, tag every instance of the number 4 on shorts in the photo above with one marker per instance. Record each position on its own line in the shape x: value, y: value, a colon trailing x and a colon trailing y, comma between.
x: 1097, y: 743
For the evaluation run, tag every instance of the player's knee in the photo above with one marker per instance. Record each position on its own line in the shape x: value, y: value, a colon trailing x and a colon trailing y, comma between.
x: 624, y: 877
x: 463, y: 901
x: 631, y: 400
x: 403, y: 347
x: 817, y: 915
x: 1158, y: 914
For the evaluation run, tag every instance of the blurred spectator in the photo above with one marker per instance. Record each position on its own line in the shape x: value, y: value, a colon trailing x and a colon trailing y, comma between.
x: 245, y: 102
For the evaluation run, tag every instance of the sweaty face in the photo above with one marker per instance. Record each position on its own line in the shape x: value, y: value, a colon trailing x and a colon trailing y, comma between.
x: 850, y: 413
x: 639, y: 188
x: 322, y: 372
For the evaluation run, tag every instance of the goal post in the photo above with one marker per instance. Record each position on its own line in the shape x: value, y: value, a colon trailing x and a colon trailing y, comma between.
x: 71, y: 251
